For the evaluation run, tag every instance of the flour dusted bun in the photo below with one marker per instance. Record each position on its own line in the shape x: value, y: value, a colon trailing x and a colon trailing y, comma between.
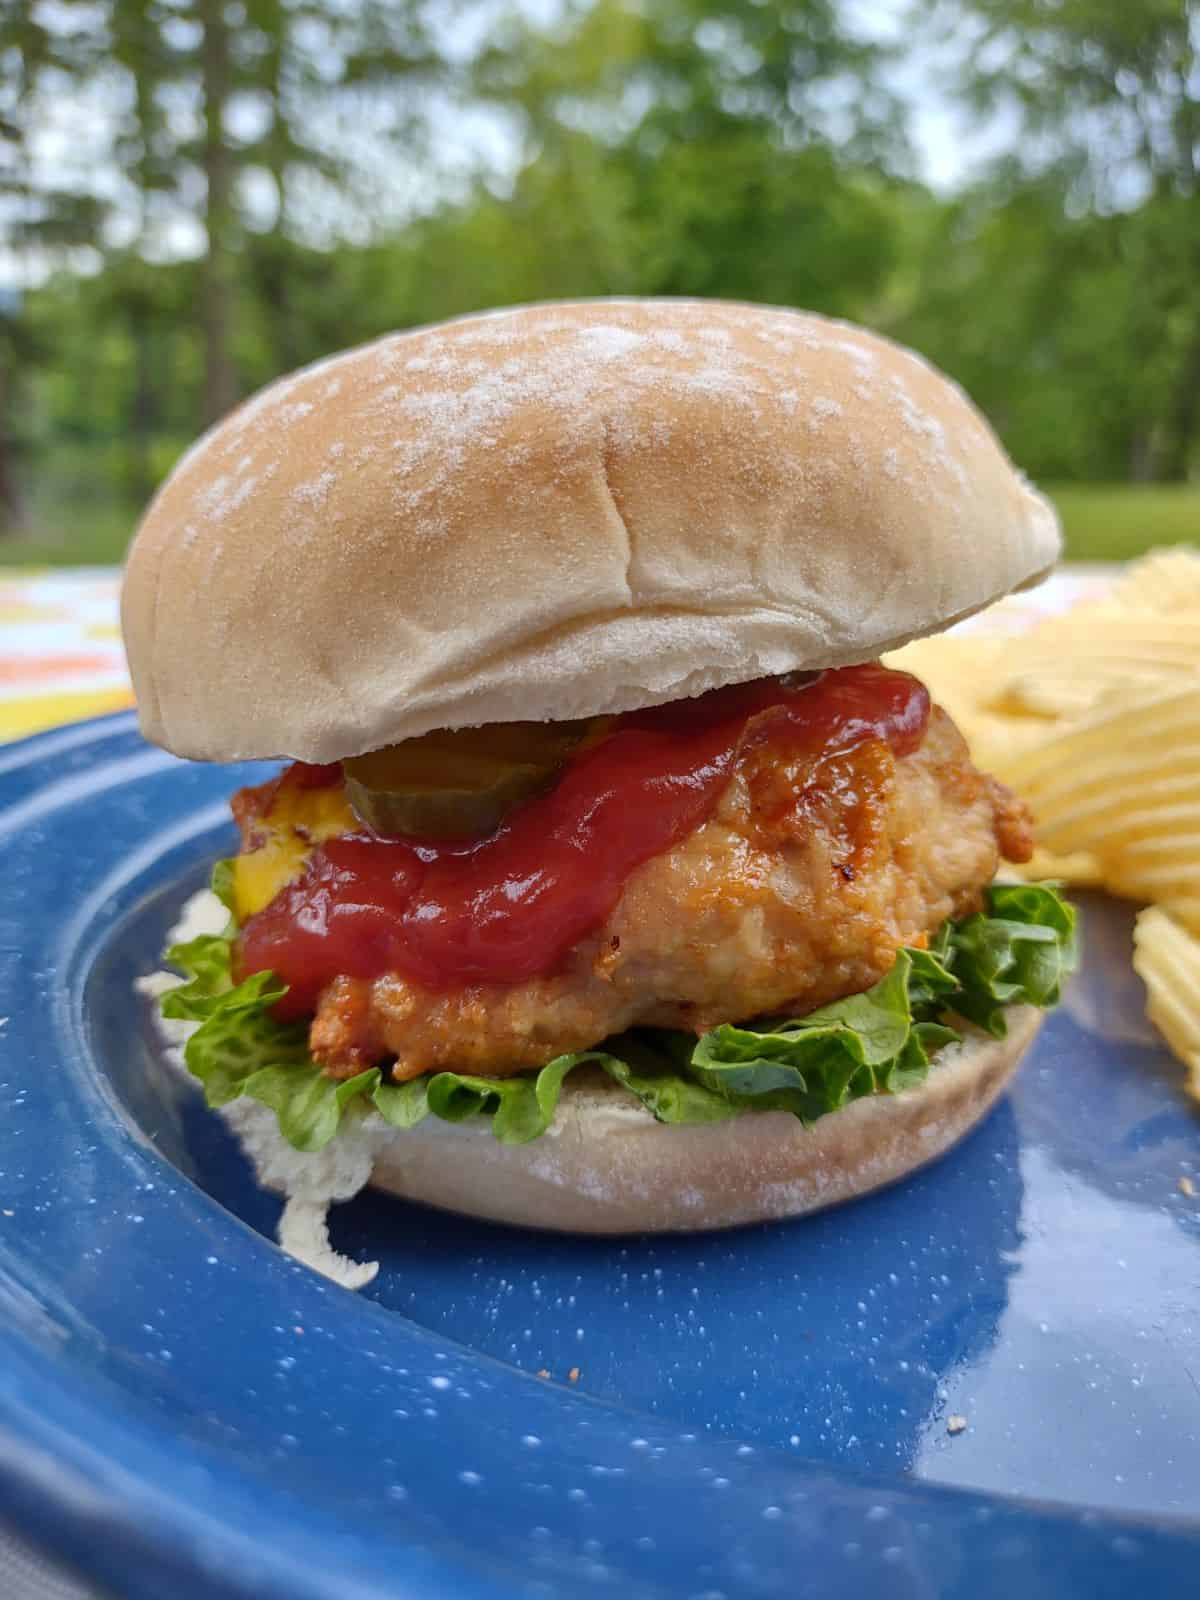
x: 606, y: 1166
x: 556, y: 511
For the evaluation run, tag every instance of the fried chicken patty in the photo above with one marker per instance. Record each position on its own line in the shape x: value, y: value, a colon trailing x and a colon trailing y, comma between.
x: 798, y: 890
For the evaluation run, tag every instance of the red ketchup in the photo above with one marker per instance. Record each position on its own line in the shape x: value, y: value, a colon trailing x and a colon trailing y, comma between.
x: 511, y: 906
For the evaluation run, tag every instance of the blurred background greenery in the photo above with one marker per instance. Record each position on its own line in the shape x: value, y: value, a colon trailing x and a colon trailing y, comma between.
x: 196, y: 195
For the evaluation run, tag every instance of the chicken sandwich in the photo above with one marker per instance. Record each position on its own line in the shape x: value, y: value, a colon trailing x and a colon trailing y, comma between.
x: 613, y: 882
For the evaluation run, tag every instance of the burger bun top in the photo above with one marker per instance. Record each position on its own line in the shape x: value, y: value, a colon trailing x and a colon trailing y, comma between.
x: 558, y: 511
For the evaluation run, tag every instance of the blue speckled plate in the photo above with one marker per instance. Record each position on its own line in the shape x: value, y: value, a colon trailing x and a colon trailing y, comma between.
x: 185, y: 1411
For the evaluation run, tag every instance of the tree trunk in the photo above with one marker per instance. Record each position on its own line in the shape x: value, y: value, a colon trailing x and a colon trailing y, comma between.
x: 279, y: 290
x: 10, y: 499
x: 220, y: 380
x: 143, y: 410
x: 1183, y: 422
x: 1141, y: 456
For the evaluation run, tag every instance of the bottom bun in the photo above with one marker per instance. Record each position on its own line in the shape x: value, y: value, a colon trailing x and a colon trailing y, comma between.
x: 606, y: 1166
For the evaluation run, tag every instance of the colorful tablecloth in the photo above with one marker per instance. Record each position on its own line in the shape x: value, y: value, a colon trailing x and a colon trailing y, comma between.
x: 60, y: 647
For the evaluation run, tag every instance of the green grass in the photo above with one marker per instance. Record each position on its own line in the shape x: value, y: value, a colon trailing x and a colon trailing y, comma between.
x: 1103, y: 522
x: 79, y: 537
x: 1116, y: 521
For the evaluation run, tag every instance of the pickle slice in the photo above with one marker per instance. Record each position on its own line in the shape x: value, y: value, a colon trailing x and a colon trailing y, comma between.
x: 462, y: 784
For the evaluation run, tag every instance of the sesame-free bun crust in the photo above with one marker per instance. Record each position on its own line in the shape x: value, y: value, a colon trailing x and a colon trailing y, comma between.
x: 557, y: 511
x: 605, y: 1165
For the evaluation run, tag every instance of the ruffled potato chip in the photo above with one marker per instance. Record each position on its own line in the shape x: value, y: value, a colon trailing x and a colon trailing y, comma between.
x: 1094, y: 717
x: 1167, y: 959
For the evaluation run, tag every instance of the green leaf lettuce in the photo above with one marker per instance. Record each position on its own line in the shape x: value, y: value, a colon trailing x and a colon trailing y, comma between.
x: 1017, y: 951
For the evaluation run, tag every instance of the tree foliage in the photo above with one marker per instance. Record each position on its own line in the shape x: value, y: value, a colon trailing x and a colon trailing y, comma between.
x: 1108, y: 94
x: 268, y: 180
